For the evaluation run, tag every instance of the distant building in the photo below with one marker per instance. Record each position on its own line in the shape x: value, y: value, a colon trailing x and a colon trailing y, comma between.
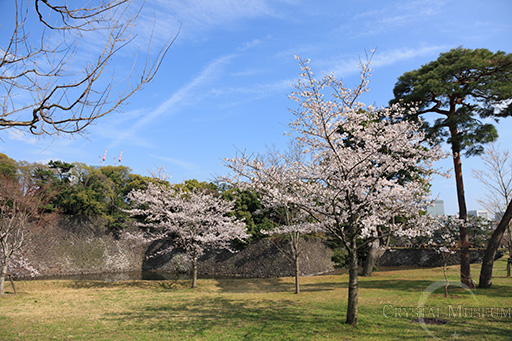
x: 437, y: 209
x: 480, y: 213
x: 498, y: 216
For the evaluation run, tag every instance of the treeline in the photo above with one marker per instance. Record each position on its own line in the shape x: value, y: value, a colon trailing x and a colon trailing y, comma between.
x: 92, y: 191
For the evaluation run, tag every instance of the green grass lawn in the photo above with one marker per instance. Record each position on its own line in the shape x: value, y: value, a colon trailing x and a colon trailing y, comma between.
x: 232, y: 309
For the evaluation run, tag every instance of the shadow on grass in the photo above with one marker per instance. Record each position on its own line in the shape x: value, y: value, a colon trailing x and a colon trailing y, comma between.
x: 496, y: 291
x: 215, y: 316
x: 168, y: 284
x: 272, y: 285
x: 405, y: 285
x: 226, y: 318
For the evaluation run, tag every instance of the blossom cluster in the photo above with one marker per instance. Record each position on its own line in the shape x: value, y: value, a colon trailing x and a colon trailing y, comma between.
x: 351, y: 165
x: 196, y: 220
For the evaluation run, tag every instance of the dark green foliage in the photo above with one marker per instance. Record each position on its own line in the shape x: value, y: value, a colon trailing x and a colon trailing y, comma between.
x: 463, y: 86
x: 249, y: 208
x: 83, y: 190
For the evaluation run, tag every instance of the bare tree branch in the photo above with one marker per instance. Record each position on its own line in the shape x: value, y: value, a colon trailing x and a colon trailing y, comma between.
x: 50, y: 84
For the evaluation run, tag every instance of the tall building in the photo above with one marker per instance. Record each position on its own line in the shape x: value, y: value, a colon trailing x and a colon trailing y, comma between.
x: 480, y: 213
x: 437, y: 209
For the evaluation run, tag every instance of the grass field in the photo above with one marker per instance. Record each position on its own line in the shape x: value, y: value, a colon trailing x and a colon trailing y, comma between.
x: 231, y: 309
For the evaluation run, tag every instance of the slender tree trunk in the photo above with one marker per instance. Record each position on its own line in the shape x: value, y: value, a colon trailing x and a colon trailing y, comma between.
x: 352, y: 284
x: 509, y: 262
x: 194, y: 272
x: 465, y: 257
x: 12, y: 284
x: 447, y: 282
x: 374, y: 254
x: 492, y: 247
x: 297, y: 274
x: 3, y: 274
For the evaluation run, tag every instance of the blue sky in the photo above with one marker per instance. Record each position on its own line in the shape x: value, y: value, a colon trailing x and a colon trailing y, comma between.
x: 224, y: 83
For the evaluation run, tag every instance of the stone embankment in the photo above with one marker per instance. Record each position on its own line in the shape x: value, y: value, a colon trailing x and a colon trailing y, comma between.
x: 84, y: 246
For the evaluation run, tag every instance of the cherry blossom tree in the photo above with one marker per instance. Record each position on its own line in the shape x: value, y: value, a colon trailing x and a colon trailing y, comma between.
x: 274, y: 177
x: 194, y: 220
x: 354, y: 149
x: 21, y: 211
x: 349, y: 152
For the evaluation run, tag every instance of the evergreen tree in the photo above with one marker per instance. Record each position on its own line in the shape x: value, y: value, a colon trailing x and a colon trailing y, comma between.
x: 462, y: 86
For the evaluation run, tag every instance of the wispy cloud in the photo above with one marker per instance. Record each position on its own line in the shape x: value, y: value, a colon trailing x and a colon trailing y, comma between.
x: 177, y: 100
x: 18, y: 135
x: 381, y: 58
x: 198, y: 16
x: 390, y: 57
x: 189, y: 166
x: 396, y: 15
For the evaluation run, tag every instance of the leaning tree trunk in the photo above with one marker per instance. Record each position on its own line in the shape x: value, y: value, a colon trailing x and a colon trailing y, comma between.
x: 352, y: 284
x: 375, y: 252
x: 492, y: 247
x: 465, y: 257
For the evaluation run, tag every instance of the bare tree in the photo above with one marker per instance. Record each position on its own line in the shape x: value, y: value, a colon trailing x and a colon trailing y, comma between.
x: 57, y: 70
x: 497, y: 179
x: 21, y: 210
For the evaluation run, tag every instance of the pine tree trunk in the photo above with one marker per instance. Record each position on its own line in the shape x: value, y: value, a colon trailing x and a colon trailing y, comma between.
x: 492, y: 247
x: 352, y: 285
x: 465, y: 257
x: 194, y: 272
x: 297, y: 274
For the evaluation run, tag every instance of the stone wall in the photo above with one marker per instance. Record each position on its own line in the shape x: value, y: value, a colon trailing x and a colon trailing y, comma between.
x: 83, y: 246
x: 425, y: 257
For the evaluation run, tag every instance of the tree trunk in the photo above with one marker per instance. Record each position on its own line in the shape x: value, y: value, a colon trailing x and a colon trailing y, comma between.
x: 508, y: 266
x: 447, y: 282
x: 492, y: 247
x: 465, y: 257
x: 13, y: 286
x: 374, y: 254
x: 3, y: 273
x: 297, y: 274
x: 352, y: 285
x: 509, y: 262
x: 194, y: 272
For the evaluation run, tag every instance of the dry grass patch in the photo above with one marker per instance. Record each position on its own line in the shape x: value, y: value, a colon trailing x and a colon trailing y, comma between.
x: 232, y: 309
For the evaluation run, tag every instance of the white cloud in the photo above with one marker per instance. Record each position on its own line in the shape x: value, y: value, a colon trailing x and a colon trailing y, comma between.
x: 189, y: 166
x: 176, y: 100
x: 389, y: 57
x: 347, y: 67
x: 18, y: 135
x: 397, y: 14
